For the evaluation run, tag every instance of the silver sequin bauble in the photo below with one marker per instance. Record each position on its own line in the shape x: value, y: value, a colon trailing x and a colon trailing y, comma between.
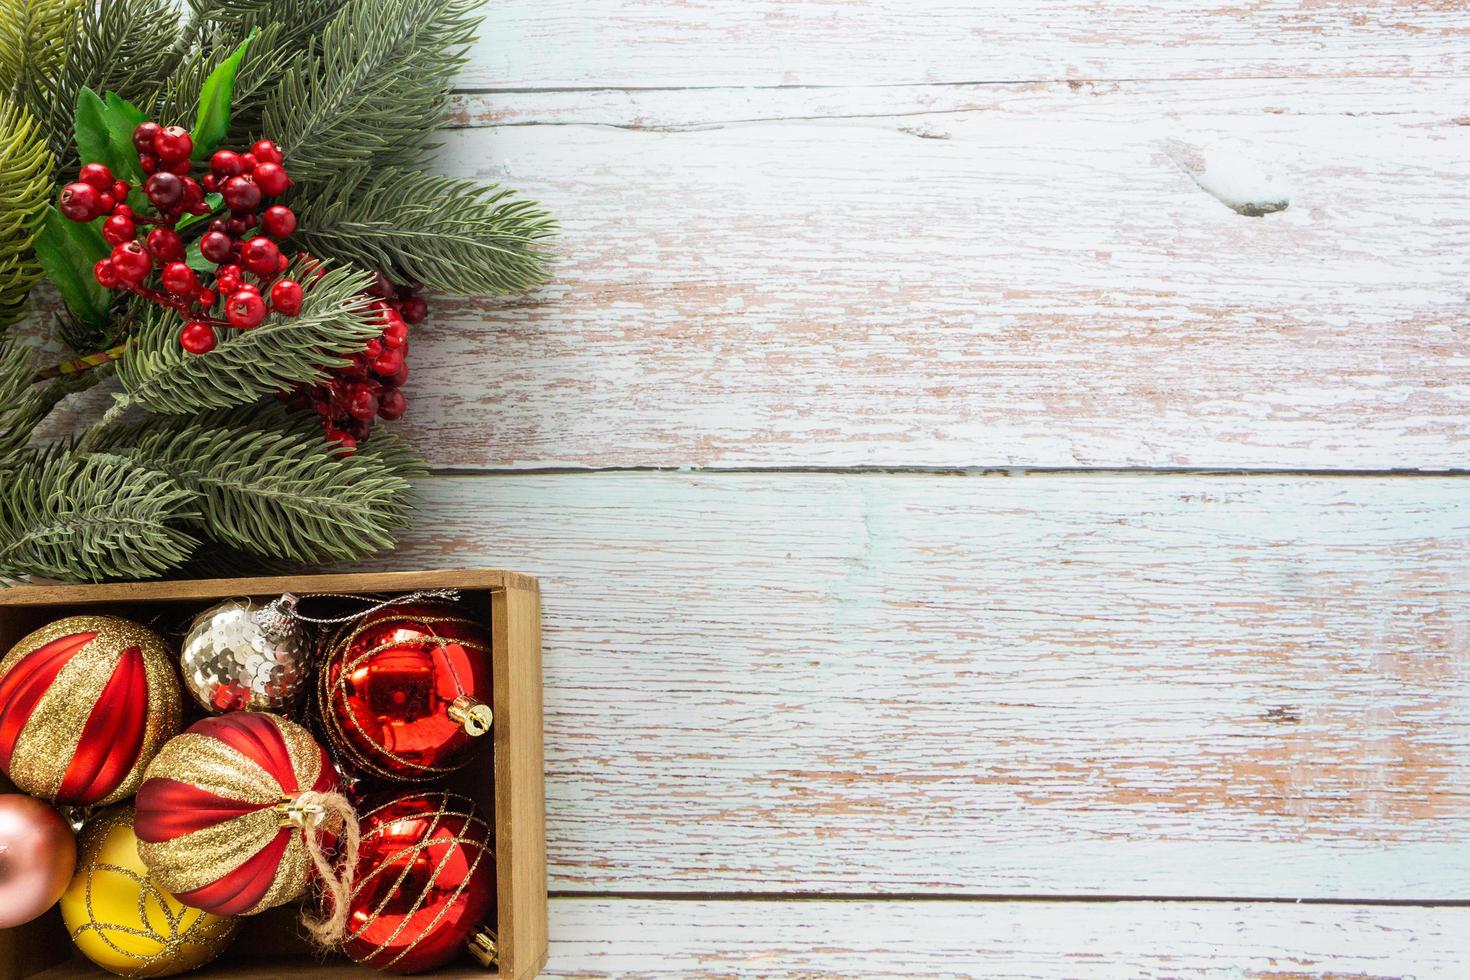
x: 242, y: 656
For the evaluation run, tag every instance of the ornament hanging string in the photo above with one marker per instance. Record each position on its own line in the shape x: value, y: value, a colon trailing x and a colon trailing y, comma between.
x: 285, y: 608
x: 317, y: 813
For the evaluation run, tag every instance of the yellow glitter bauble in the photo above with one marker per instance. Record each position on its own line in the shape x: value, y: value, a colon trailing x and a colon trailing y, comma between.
x: 126, y: 923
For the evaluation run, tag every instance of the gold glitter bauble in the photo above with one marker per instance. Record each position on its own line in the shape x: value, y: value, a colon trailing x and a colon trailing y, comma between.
x: 85, y: 704
x: 122, y: 920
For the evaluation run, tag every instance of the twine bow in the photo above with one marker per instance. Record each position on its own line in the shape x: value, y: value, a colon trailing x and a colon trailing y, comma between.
x: 317, y: 814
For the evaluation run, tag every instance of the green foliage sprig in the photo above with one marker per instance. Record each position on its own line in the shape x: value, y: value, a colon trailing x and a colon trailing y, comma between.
x: 25, y: 189
x: 195, y: 463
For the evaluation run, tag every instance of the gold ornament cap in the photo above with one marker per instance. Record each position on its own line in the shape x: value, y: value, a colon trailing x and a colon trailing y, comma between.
x: 472, y: 714
x: 484, y: 947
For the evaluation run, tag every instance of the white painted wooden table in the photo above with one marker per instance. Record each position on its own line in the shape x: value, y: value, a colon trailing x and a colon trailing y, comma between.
x: 970, y: 545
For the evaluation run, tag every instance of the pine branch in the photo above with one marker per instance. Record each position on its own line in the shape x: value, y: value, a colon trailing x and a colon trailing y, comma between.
x: 281, y: 491
x: 452, y: 235
x: 33, y: 37
x: 91, y: 517
x: 375, y: 90
x: 247, y: 365
x: 122, y: 46
x: 25, y: 189
x: 22, y: 404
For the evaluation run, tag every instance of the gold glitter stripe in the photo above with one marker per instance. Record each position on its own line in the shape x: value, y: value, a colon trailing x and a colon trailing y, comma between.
x: 305, y: 754
x: 205, y: 856
x: 215, y: 767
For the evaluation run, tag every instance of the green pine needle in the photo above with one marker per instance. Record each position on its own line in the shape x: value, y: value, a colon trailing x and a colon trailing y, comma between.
x: 375, y: 90
x: 25, y: 189
x: 281, y: 491
x: 91, y: 517
x: 247, y: 365
x: 33, y: 35
x: 454, y: 236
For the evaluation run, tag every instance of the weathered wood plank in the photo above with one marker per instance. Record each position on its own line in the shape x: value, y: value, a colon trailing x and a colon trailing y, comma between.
x: 641, y: 43
x: 1032, y: 940
x: 1042, y: 278
x: 1169, y: 685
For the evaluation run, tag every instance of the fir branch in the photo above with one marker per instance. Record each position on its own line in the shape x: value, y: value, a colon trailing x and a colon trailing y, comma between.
x: 375, y: 90
x: 25, y: 189
x: 454, y: 236
x: 122, y: 46
x: 33, y: 37
x: 247, y: 365
x: 91, y: 517
x: 284, y: 493
x: 22, y: 404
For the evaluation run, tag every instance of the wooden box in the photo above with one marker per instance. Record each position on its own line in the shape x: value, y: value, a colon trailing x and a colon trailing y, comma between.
x: 508, y: 783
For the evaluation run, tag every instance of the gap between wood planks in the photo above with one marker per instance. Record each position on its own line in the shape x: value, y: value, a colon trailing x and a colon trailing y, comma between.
x: 940, y: 897
x: 964, y: 471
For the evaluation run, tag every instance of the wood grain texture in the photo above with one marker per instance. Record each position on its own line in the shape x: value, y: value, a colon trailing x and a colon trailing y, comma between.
x: 1064, y: 685
x: 701, y: 43
x: 1031, y: 940
x: 1025, y: 278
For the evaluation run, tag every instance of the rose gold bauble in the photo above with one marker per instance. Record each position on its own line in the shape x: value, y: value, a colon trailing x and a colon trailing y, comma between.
x: 38, y: 853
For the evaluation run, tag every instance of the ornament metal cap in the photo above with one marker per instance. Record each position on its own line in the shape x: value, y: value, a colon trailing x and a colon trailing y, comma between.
x: 483, y: 947
x: 473, y: 715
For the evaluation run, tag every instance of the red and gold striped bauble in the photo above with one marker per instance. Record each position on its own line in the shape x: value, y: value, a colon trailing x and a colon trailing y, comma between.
x: 217, y: 815
x: 85, y: 703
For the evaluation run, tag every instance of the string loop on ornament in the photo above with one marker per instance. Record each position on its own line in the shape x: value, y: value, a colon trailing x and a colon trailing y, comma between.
x: 318, y: 814
x: 287, y: 607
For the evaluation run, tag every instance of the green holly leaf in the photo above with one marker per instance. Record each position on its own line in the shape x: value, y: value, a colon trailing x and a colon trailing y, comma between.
x: 213, y: 120
x: 104, y: 133
x: 215, y: 201
x: 67, y: 251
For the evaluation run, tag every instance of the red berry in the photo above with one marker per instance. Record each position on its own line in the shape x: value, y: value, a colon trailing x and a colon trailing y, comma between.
x: 241, y: 195
x: 286, y: 297
x: 278, y: 221
x: 179, y: 168
x: 120, y: 189
x: 272, y: 179
x: 105, y: 203
x: 80, y: 202
x: 374, y: 348
x: 282, y: 264
x: 197, y: 337
x: 132, y: 262
x: 347, y: 444
x: 228, y: 284
x: 210, y: 184
x: 247, y: 162
x: 165, y: 244
x: 193, y: 199
x: 240, y: 224
x: 147, y: 162
x: 105, y: 274
x: 399, y: 378
x: 179, y: 279
x: 388, y: 363
x: 123, y: 210
x: 226, y: 164
x: 97, y: 175
x: 245, y: 309
x: 414, y: 309
x: 216, y: 246
x: 118, y: 229
x: 267, y: 152
x: 173, y: 144
x: 164, y: 189
x: 381, y: 287
x: 395, y: 334
x: 144, y: 135
x: 362, y: 401
x: 260, y: 255
x: 206, y: 298
x: 391, y: 404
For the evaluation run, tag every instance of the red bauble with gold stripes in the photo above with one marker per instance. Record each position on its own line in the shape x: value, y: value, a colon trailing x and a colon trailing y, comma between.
x: 425, y: 887
x: 215, y: 814
x: 85, y: 704
x: 403, y: 693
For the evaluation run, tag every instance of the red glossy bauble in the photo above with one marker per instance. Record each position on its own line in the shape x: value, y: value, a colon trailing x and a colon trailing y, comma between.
x: 425, y: 882
x: 403, y: 692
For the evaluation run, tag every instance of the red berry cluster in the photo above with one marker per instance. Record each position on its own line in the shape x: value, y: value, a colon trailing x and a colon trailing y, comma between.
x: 370, y: 386
x: 243, y: 180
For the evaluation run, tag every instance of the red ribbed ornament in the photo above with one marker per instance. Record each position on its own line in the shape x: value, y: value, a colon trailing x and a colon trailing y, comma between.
x: 403, y: 692
x: 85, y: 703
x: 425, y: 882
x: 215, y: 813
